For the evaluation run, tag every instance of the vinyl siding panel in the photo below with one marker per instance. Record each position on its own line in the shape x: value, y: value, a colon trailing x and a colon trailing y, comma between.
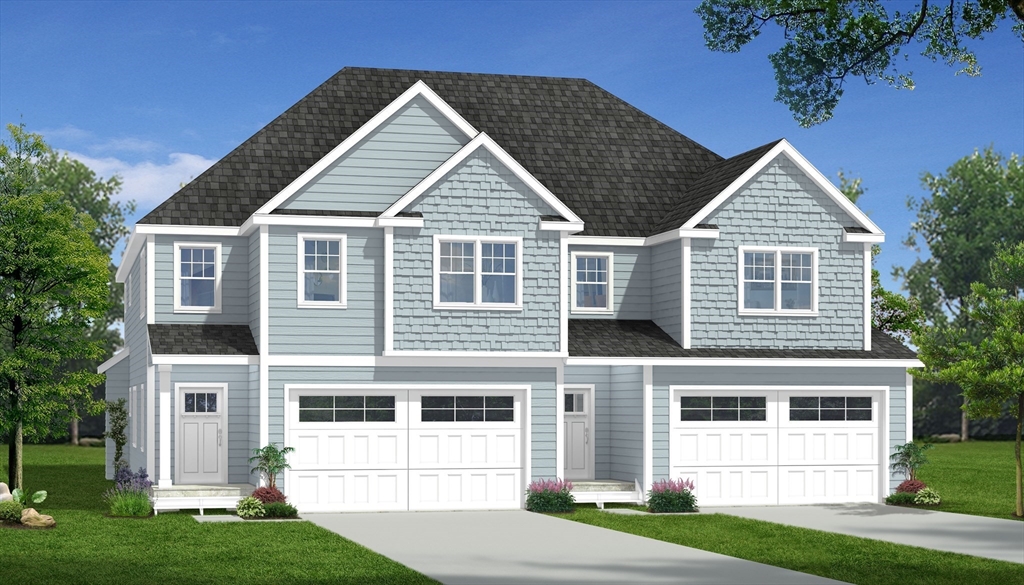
x: 627, y: 423
x: 136, y: 337
x: 254, y: 285
x: 234, y: 281
x: 631, y: 267
x: 116, y: 388
x: 386, y: 164
x: 667, y: 284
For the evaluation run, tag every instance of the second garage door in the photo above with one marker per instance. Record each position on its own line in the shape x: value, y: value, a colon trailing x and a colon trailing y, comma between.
x: 372, y: 449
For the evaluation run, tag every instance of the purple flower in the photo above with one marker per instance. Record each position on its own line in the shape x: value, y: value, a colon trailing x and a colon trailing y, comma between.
x: 549, y: 485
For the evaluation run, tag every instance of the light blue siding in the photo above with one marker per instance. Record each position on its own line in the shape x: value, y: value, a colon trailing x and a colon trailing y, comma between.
x: 631, y: 269
x: 254, y: 285
x: 116, y: 388
x: 357, y: 329
x: 667, y: 283
x: 779, y: 207
x: 541, y: 381
x: 136, y: 336
x: 234, y: 281
x: 479, y: 197
x: 386, y: 164
x: 627, y: 423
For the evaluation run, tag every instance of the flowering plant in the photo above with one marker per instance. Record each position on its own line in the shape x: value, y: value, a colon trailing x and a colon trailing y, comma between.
x: 672, y: 495
x: 550, y: 495
x: 130, y: 494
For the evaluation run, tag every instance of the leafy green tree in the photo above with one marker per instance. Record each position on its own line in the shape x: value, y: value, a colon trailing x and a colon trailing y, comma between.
x: 991, y: 372
x: 828, y: 42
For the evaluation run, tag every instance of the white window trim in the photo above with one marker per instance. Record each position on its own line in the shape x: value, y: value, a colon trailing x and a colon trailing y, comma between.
x: 610, y: 308
x: 128, y: 291
x: 131, y: 413
x: 140, y: 400
x: 301, y: 302
x: 477, y: 305
x: 142, y: 283
x: 778, y: 311
x: 217, y: 283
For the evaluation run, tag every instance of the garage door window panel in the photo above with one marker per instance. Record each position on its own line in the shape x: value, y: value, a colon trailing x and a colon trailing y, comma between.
x: 346, y: 408
x: 467, y: 409
x: 723, y: 408
x: 830, y: 408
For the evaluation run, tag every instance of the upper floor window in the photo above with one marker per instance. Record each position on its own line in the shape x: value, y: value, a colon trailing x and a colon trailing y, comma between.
x: 778, y: 281
x: 478, y: 272
x: 592, y: 286
x: 197, y: 275
x: 322, y: 270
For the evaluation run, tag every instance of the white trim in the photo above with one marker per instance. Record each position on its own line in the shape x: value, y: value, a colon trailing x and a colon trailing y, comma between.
x: 482, y: 140
x: 908, y: 407
x: 648, y: 428
x: 131, y: 415
x: 591, y: 413
x: 867, y: 296
x: 186, y: 230
x: 418, y: 89
x: 413, y: 359
x: 563, y: 293
x: 884, y: 447
x: 131, y: 251
x: 774, y: 387
x: 527, y: 443
x: 206, y: 360
x: 560, y: 422
x: 784, y: 147
x: 696, y: 233
x: 561, y: 226
x: 114, y: 360
x: 610, y: 294
x: 747, y: 362
x: 218, y: 278
x: 264, y: 341
x: 389, y: 289
x: 477, y: 304
x: 128, y: 294
x: 407, y: 222
x: 151, y: 419
x: 222, y: 413
x: 476, y: 354
x: 778, y: 311
x: 867, y: 238
x: 150, y: 280
x: 687, y: 293
x: 307, y: 221
x: 142, y: 396
x: 143, y: 282
x: 165, y: 427
x: 300, y: 300
x: 605, y: 241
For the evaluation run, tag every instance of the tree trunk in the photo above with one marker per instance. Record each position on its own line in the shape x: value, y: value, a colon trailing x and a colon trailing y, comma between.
x: 964, y: 427
x: 14, y: 459
x: 74, y: 431
x: 1016, y: 453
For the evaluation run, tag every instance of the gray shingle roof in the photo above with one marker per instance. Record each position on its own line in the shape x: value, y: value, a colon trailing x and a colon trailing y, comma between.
x: 181, y: 339
x: 617, y: 338
x: 619, y: 169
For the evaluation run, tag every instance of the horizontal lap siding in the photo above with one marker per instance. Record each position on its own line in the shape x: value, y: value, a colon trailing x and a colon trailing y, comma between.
x: 136, y: 338
x: 781, y: 207
x: 357, y: 329
x: 627, y: 423
x: 631, y: 269
x: 234, y: 270
x: 602, y: 432
x: 254, y: 284
x: 541, y: 381
x: 480, y: 197
x: 386, y: 164
x: 116, y: 387
x: 666, y: 283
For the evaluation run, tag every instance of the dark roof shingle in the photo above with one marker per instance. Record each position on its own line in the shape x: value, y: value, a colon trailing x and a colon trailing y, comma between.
x: 188, y: 339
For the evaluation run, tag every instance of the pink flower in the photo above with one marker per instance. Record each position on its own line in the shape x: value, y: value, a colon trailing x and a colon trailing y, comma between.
x: 672, y: 485
x: 549, y: 485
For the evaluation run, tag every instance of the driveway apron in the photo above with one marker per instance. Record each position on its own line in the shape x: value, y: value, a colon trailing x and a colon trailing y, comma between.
x: 1002, y: 540
x: 514, y: 547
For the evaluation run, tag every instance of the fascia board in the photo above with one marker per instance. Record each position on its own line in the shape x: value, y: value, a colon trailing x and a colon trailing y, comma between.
x: 561, y: 226
x: 682, y: 233
x: 605, y: 241
x: 312, y: 221
x: 113, y: 361
x: 408, y: 222
x: 131, y: 251
x: 205, y: 360
x: 864, y: 238
x: 188, y: 230
x: 747, y: 362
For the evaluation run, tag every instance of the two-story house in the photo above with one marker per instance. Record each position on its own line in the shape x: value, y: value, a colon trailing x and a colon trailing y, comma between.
x: 437, y: 287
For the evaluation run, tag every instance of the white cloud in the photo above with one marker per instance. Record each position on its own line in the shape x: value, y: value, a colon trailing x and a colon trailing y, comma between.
x: 148, y: 183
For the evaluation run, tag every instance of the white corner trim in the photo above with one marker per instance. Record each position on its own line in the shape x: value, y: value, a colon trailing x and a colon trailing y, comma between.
x: 708, y: 234
x: 264, y: 341
x: 150, y: 279
x: 484, y: 141
x: 563, y: 295
x: 908, y: 407
x: 114, y: 360
x: 151, y: 418
x: 165, y: 426
x: 884, y: 445
x: 784, y: 147
x: 648, y: 427
x: 867, y: 296
x: 206, y: 360
x: 560, y: 422
x: 300, y: 301
x: 609, y: 309
x: 561, y: 226
x: 872, y: 238
x: 407, y: 222
x: 418, y: 89
x: 605, y: 241
x: 389, y: 289
x: 687, y: 294
x: 218, y: 274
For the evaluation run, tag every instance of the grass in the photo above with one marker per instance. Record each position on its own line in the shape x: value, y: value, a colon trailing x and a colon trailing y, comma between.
x: 976, y: 477
x: 87, y: 547
x: 835, y: 556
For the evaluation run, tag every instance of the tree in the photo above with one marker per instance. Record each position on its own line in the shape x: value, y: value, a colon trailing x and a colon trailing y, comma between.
x: 975, y: 207
x: 49, y: 170
x: 991, y: 373
x: 53, y: 287
x: 827, y: 42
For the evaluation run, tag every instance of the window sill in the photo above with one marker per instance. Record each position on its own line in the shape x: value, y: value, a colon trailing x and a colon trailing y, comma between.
x: 473, y: 307
x: 322, y: 305
x: 764, y: 313
x: 591, y: 311
x: 197, y: 310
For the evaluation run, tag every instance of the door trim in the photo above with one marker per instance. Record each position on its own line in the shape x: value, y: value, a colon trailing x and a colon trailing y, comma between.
x: 587, y: 389
x: 179, y: 389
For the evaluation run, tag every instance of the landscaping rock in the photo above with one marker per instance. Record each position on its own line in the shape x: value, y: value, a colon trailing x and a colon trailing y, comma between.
x: 33, y: 519
x: 949, y: 437
x: 5, y: 494
x: 90, y: 442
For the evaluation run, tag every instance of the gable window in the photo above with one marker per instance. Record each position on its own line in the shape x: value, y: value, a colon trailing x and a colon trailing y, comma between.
x: 592, y: 285
x: 482, y: 273
x: 778, y: 281
x: 197, y: 274
x: 323, y: 270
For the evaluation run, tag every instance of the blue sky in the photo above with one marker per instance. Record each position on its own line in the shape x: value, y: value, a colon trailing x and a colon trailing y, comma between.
x: 158, y: 91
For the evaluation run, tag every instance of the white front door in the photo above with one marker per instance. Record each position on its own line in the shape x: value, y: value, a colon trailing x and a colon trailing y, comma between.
x: 578, y: 422
x: 201, y: 440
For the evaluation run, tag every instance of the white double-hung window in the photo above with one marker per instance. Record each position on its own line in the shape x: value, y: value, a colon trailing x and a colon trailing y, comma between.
x: 323, y: 270
x: 477, y: 272
x: 778, y: 281
x: 197, y: 277
x: 593, y: 282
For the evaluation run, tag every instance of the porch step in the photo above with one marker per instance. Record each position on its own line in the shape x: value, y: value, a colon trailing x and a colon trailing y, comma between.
x: 606, y: 485
x: 601, y: 492
x: 203, y: 491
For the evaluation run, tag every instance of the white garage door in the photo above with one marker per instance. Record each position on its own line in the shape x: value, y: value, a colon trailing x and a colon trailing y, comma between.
x: 360, y: 450
x: 756, y: 447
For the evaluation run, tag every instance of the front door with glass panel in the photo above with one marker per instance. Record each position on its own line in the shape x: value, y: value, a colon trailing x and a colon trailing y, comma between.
x: 579, y: 452
x: 201, y: 436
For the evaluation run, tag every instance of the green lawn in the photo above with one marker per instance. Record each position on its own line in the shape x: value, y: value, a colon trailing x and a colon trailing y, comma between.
x: 976, y: 477
x: 87, y: 547
x: 835, y: 556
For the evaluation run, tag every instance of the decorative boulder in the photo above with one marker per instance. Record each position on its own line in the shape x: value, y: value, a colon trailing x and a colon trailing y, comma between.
x: 33, y: 519
x: 5, y: 494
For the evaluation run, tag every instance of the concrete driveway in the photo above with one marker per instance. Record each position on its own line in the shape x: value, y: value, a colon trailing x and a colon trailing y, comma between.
x: 483, y: 548
x: 992, y: 538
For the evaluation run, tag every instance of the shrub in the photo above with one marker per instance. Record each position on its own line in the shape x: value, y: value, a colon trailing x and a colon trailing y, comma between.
x: 672, y: 495
x: 117, y: 425
x: 908, y: 458
x: 130, y: 494
x: 911, y: 486
x: 271, y: 461
x: 22, y: 497
x: 927, y: 497
x: 550, y: 495
x: 900, y: 499
x: 250, y: 507
x: 280, y: 510
x: 10, y: 512
x: 268, y: 495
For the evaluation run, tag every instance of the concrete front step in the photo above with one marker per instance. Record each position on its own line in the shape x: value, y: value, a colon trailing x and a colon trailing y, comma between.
x: 203, y: 491
x: 602, y: 486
